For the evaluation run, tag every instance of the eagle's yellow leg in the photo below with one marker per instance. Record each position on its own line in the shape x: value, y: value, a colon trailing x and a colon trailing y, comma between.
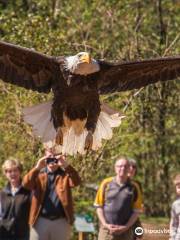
x: 89, y: 141
x: 59, y: 136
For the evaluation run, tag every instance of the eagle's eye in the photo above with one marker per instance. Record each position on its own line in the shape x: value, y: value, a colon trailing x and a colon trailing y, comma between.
x: 84, y: 57
x: 80, y: 55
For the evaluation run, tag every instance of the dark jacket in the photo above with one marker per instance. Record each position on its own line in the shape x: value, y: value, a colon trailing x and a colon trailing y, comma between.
x: 14, y: 213
x: 37, y: 182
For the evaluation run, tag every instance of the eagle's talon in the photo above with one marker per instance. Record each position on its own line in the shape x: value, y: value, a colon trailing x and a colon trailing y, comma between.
x: 88, y: 141
x: 59, y: 137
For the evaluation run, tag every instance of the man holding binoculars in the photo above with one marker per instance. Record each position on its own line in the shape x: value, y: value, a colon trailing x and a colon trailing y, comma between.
x: 50, y: 181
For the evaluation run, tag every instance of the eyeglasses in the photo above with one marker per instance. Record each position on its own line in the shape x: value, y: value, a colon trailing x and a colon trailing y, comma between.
x: 121, y: 166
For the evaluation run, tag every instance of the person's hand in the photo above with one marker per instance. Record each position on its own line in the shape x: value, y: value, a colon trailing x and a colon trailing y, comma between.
x: 118, y: 229
x: 61, y: 161
x: 41, y: 163
x: 108, y: 226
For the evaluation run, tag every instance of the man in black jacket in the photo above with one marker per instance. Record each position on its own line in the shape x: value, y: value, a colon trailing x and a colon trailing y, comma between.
x: 14, y: 204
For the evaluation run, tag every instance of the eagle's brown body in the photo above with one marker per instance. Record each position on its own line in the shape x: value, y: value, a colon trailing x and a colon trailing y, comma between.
x: 76, y: 84
x: 76, y: 102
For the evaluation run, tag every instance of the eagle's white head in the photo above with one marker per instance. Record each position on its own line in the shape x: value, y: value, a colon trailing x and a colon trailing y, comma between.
x: 82, y: 64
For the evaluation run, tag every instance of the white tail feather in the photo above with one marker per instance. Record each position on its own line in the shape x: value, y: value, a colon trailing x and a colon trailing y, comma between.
x: 74, y: 133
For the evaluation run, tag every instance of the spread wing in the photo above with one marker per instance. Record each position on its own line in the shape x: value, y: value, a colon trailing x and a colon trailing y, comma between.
x: 27, y: 68
x: 133, y: 75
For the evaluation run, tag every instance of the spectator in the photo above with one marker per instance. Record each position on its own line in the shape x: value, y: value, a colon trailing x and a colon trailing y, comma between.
x: 132, y: 174
x: 118, y: 204
x: 132, y: 169
x: 175, y: 212
x: 51, y: 211
x: 14, y: 204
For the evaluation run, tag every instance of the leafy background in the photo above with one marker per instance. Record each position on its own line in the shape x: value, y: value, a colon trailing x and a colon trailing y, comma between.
x: 112, y: 30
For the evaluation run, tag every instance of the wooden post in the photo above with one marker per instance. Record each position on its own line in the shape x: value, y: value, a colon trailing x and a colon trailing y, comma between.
x: 81, y: 236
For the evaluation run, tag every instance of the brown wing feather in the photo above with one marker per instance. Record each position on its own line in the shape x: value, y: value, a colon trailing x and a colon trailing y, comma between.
x: 27, y: 68
x: 134, y: 75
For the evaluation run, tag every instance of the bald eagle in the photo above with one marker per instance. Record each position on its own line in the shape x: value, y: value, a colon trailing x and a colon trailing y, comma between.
x: 75, y: 120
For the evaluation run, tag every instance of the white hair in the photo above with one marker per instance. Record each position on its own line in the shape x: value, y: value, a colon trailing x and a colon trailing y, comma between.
x: 74, y: 65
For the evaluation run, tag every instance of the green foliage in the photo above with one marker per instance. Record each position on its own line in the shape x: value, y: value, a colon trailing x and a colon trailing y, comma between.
x: 110, y: 29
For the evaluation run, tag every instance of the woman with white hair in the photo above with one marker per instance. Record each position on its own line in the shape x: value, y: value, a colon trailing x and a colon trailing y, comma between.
x: 14, y: 204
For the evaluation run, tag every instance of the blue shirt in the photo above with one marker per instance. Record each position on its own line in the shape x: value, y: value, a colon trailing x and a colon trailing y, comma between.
x: 52, y: 206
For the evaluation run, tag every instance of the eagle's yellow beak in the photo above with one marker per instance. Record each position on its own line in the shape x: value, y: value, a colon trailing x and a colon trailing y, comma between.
x: 85, y: 58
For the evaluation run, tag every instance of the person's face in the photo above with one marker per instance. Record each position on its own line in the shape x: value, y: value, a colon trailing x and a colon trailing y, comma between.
x: 13, y: 174
x: 132, y: 171
x: 178, y: 189
x: 122, y: 168
x: 52, y: 166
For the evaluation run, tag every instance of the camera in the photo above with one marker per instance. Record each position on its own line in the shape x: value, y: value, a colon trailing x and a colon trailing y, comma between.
x: 51, y: 160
